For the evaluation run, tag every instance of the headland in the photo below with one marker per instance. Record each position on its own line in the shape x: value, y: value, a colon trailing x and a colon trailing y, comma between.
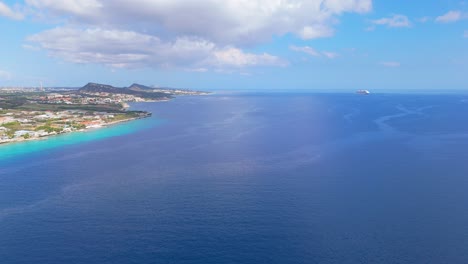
x: 35, y: 113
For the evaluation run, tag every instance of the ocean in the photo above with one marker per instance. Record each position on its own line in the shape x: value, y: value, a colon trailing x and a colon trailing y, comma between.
x: 247, y: 178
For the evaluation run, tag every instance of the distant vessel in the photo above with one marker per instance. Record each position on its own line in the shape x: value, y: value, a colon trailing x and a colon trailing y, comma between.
x: 362, y: 92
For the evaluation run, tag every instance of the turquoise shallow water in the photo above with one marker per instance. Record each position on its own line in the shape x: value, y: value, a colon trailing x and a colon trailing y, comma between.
x: 14, y: 150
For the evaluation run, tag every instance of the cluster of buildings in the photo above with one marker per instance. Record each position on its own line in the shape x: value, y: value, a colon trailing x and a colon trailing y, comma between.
x: 22, y: 125
x: 16, y: 90
x: 172, y: 91
x: 86, y: 98
x: 18, y: 125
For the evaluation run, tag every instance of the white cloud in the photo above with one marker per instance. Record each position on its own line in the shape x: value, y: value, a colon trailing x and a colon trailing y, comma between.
x: 127, y: 49
x: 237, y: 58
x: 233, y: 22
x: 465, y: 34
x: 67, y: 6
x: 313, y: 52
x: 6, y: 11
x: 391, y: 64
x: 346, y: 5
x: 308, y: 50
x: 317, y: 31
x: 393, y: 21
x: 449, y: 17
x: 174, y: 32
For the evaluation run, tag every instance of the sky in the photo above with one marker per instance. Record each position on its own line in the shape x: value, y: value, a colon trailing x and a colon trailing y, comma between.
x: 236, y: 44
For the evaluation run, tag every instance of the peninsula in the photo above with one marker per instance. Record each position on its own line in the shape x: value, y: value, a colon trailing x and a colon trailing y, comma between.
x: 34, y: 113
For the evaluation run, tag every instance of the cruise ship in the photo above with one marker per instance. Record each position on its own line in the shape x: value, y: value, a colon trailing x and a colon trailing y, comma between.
x: 362, y: 92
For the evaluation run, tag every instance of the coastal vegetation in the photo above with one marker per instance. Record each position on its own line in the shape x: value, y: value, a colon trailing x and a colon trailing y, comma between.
x: 34, y: 113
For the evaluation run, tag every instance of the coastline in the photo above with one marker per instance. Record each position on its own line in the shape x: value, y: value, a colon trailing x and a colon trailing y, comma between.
x: 94, y: 127
x: 102, y: 117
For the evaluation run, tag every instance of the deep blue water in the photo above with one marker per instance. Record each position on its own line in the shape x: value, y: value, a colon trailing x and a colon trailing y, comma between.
x: 248, y: 178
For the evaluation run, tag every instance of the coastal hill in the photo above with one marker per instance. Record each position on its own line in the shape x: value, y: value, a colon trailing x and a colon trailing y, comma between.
x: 29, y: 114
x: 104, y: 88
x: 140, y: 87
x: 99, y: 88
x: 138, y: 90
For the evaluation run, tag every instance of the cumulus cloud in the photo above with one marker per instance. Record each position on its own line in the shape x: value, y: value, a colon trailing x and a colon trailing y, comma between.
x: 340, y: 6
x: 237, y: 58
x: 75, y: 7
x: 313, y: 52
x: 449, y: 17
x: 391, y: 64
x: 127, y: 49
x: 316, y: 31
x: 200, y: 33
x: 6, y: 11
x: 393, y: 21
x: 228, y: 21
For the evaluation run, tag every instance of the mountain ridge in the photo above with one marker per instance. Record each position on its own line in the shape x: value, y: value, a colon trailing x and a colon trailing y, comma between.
x: 105, y: 88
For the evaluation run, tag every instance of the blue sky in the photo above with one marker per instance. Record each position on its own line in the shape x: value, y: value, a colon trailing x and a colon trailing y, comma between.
x: 236, y: 44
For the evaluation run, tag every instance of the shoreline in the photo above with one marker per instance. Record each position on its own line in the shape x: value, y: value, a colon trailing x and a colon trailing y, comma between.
x: 22, y: 140
x: 125, y: 106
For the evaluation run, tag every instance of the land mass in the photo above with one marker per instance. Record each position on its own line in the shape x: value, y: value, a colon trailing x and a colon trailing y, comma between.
x: 33, y: 113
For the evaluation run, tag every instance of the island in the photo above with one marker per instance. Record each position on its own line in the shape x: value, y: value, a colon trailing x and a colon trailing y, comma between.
x: 34, y: 113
